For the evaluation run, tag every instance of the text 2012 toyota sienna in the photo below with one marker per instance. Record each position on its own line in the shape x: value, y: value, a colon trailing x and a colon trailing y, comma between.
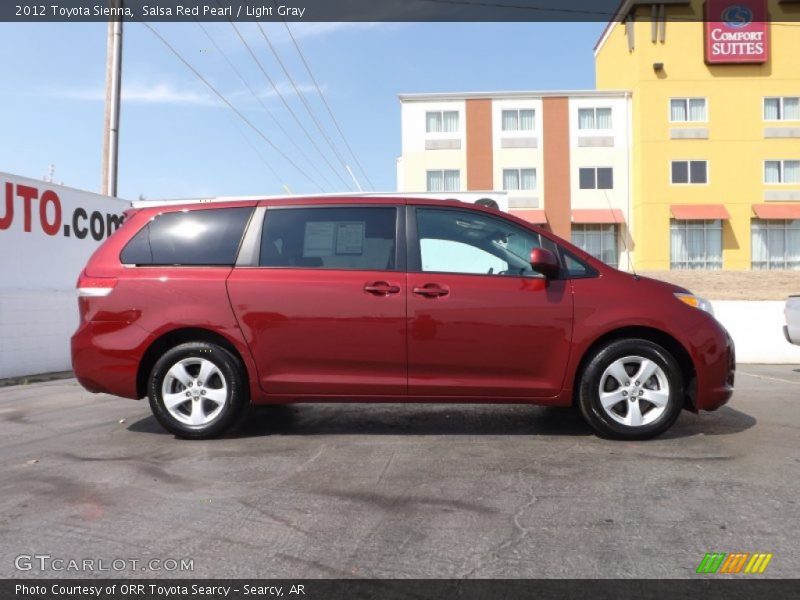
x: 208, y: 308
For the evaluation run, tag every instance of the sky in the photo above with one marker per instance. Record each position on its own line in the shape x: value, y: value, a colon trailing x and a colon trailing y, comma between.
x: 177, y: 140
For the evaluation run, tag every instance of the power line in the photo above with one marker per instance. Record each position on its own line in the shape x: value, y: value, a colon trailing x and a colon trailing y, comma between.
x: 305, y: 102
x: 224, y: 99
x: 327, y: 106
x: 264, y: 106
x: 286, y: 104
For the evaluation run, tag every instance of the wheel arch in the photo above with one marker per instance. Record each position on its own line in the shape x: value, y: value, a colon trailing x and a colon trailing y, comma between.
x: 174, y: 338
x: 657, y: 336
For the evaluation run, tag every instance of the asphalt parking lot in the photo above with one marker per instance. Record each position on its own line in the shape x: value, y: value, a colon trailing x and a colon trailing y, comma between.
x: 428, y: 491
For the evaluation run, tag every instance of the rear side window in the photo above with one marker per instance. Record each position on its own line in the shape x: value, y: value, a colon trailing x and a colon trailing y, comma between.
x: 194, y: 237
x: 358, y: 238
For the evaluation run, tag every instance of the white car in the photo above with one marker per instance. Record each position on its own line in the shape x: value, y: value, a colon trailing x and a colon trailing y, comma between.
x: 792, y: 311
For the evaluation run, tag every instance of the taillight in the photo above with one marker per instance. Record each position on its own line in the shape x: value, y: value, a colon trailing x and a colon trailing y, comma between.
x: 95, y: 287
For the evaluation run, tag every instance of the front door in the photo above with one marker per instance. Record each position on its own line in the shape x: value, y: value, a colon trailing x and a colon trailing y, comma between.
x: 324, y: 312
x: 482, y: 323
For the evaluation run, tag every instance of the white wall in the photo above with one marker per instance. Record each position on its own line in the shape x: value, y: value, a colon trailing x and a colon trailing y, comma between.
x: 757, y: 331
x: 47, y: 233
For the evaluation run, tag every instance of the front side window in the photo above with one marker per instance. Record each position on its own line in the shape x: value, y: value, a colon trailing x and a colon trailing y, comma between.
x: 594, y: 118
x: 782, y: 171
x: 782, y: 109
x: 596, y: 178
x: 443, y: 181
x: 519, y: 179
x: 441, y: 121
x: 206, y: 237
x: 689, y: 171
x: 518, y: 120
x: 598, y: 240
x: 696, y: 244
x: 346, y: 238
x: 685, y: 110
x: 775, y: 244
x: 454, y: 241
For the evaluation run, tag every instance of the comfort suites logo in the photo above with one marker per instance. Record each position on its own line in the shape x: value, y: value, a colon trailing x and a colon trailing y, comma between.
x: 736, y: 31
x: 737, y: 16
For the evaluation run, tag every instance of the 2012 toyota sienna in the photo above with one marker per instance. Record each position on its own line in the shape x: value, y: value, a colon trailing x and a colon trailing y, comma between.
x: 208, y: 308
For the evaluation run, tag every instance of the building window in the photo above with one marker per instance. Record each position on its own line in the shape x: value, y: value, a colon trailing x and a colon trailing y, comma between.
x: 782, y: 109
x: 695, y: 244
x: 439, y: 121
x: 594, y: 118
x: 683, y: 110
x: 444, y: 181
x: 775, y: 244
x: 690, y: 171
x: 519, y: 179
x: 596, y: 178
x: 598, y: 240
x: 782, y: 171
x: 518, y: 120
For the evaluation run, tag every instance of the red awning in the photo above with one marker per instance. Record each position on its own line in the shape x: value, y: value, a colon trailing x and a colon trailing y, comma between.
x: 699, y: 212
x: 537, y: 217
x: 777, y: 211
x: 598, y: 216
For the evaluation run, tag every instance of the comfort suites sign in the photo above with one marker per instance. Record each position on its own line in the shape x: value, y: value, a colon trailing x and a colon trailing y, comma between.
x: 737, y: 31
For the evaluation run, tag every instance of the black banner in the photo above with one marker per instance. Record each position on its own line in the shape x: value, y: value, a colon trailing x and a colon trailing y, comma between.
x: 333, y: 10
x: 748, y: 587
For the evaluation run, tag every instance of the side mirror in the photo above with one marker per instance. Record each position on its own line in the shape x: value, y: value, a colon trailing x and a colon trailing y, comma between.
x: 545, y: 262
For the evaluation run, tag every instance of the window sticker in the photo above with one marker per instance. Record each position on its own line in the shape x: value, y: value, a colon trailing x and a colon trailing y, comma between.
x: 318, y: 239
x: 350, y: 238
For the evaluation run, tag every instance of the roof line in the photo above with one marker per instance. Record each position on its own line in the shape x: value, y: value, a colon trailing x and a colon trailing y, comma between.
x: 510, y: 94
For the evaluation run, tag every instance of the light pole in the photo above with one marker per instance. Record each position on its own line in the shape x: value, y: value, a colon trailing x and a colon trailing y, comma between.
x: 113, y: 88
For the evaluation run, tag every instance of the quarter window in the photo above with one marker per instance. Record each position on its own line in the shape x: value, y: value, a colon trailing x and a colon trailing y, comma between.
x: 443, y: 181
x: 689, y: 171
x: 596, y: 178
x: 519, y: 179
x: 775, y: 244
x: 683, y: 110
x: 594, y: 118
x: 782, y: 109
x: 207, y: 237
x: 360, y: 238
x: 441, y: 121
x: 453, y: 241
x: 518, y: 120
x: 696, y: 244
x: 782, y: 171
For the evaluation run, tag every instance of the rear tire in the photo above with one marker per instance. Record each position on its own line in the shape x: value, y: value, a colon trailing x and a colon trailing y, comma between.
x: 631, y: 389
x: 198, y: 390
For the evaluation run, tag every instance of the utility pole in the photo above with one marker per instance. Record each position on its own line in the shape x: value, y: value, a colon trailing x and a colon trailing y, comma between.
x: 113, y: 89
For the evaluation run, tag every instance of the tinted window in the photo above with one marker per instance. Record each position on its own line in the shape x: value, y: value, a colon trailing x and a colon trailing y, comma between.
x: 698, y: 171
x: 454, y: 241
x: 605, y: 179
x: 586, y: 179
x: 680, y: 172
x: 194, y: 237
x: 360, y: 238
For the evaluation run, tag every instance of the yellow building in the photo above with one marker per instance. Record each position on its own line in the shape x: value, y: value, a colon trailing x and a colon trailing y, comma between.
x: 715, y: 165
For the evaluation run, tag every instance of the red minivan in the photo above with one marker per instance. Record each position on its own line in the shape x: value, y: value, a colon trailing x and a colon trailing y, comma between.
x: 207, y: 308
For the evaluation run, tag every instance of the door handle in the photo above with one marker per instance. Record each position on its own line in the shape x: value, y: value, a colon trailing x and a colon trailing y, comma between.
x: 381, y: 288
x: 431, y: 290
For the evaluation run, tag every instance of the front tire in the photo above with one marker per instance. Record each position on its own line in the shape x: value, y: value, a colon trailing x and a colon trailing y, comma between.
x: 197, y: 390
x: 631, y: 389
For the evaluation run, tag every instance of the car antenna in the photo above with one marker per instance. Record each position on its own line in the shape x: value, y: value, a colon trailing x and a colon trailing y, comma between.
x: 622, y: 238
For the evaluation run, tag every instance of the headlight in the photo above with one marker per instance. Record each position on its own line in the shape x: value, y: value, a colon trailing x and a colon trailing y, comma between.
x: 696, y: 302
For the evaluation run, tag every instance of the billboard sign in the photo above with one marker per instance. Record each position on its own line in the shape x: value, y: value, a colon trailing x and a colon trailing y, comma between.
x: 51, y: 231
x: 736, y: 31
